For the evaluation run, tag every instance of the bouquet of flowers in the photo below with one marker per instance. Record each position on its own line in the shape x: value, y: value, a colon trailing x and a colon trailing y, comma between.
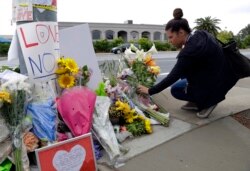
x: 135, y: 123
x: 142, y: 69
x: 77, y: 114
x: 13, y: 99
x: 69, y: 74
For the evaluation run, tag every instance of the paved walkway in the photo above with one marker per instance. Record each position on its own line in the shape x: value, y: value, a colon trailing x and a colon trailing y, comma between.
x: 223, y: 145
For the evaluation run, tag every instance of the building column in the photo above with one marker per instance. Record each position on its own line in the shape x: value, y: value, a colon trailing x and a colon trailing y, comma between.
x: 102, y: 34
x: 139, y: 36
x: 115, y: 34
x: 151, y: 36
x: 162, y: 36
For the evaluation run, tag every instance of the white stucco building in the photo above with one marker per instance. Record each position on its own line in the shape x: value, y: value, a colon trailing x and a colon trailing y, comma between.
x: 128, y: 31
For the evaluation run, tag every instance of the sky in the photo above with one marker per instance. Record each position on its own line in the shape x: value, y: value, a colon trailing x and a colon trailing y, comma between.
x: 234, y: 14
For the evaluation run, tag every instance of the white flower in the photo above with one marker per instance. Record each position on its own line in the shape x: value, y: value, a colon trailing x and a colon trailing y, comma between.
x: 128, y: 52
x: 140, y: 55
x: 107, y: 83
x: 152, y: 50
x: 24, y: 86
x: 133, y: 47
x: 18, y: 84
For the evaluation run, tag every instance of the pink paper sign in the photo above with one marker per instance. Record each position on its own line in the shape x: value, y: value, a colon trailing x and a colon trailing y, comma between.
x: 76, y: 154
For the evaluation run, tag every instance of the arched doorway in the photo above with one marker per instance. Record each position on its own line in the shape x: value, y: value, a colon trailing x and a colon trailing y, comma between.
x: 96, y: 34
x: 123, y: 35
x: 134, y: 35
x: 157, y: 35
x: 145, y: 34
x: 109, y: 35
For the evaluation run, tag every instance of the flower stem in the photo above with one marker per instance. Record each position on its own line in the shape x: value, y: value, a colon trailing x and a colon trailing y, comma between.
x: 164, y: 120
x: 18, y: 158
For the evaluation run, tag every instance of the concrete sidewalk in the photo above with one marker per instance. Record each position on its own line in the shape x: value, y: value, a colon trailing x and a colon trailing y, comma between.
x: 217, y: 144
x: 223, y: 145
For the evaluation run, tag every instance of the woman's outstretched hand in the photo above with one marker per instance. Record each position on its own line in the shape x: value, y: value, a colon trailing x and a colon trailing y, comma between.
x: 142, y: 89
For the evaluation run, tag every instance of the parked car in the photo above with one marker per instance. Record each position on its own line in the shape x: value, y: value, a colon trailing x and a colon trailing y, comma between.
x: 121, y: 48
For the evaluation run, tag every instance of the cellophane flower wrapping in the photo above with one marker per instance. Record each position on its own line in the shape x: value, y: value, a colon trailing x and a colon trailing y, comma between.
x: 76, y: 106
x: 4, y: 134
x: 14, y: 95
x: 103, y: 129
x: 44, y: 115
x: 42, y: 111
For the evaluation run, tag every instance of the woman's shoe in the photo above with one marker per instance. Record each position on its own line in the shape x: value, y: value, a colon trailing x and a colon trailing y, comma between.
x: 189, y: 106
x: 206, y: 112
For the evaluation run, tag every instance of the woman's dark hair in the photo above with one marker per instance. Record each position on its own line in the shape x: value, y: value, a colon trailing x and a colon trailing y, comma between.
x: 178, y: 22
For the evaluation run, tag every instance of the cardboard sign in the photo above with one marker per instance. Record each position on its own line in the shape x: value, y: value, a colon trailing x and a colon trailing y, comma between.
x: 39, y: 42
x: 76, y: 154
x: 76, y: 43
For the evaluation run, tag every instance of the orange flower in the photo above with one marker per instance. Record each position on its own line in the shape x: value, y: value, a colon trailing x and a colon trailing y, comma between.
x: 155, y: 70
x: 149, y: 61
x: 30, y: 141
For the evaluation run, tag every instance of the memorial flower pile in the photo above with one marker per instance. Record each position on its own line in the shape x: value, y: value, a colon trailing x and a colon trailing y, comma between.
x: 56, y: 117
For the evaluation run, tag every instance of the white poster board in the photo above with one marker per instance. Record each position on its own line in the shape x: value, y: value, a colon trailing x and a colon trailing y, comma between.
x: 76, y: 43
x: 39, y: 42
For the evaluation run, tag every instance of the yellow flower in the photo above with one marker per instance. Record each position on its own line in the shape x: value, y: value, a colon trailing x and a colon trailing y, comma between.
x: 61, y: 61
x: 141, y: 117
x: 132, y: 111
x: 129, y: 120
x: 66, y: 81
x: 5, y: 96
x: 136, y: 117
x: 61, y: 70
x: 124, y: 107
x: 127, y: 108
x: 148, y: 127
x: 71, y: 65
x: 119, y: 108
x: 155, y: 70
x: 119, y: 105
x: 149, y: 61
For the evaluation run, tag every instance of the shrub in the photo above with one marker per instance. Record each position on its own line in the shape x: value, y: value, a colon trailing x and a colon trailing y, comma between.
x: 101, y: 45
x: 4, y: 48
x: 145, y: 43
x: 116, y: 42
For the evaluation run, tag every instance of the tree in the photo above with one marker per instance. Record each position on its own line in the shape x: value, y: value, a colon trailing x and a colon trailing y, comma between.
x: 244, y: 32
x: 246, y: 41
x: 209, y: 24
x: 225, y: 36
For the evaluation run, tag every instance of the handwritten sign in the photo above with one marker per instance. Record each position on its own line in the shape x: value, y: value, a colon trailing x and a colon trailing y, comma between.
x: 40, y: 47
x: 22, y: 10
x: 75, y: 154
